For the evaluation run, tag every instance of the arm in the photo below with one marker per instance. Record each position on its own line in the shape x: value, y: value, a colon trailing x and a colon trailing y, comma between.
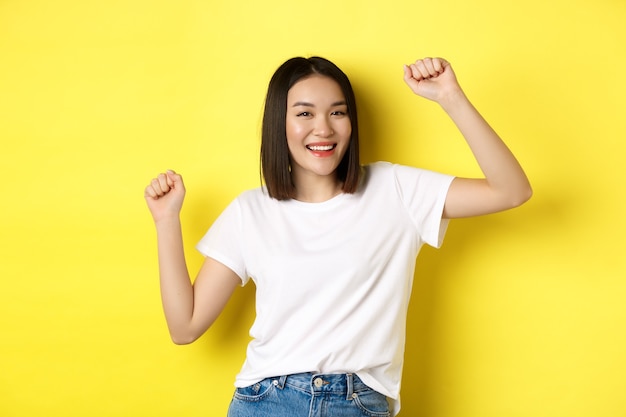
x: 189, y: 309
x: 505, y: 184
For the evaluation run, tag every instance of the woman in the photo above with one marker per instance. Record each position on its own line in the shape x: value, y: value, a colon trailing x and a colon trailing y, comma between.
x: 330, y: 245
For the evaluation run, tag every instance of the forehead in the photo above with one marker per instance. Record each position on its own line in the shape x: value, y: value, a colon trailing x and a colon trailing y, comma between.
x: 315, y: 88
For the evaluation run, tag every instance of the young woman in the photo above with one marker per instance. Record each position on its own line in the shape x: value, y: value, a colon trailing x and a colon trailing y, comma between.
x: 330, y: 244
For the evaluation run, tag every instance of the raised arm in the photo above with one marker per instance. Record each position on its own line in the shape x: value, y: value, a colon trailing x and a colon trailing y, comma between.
x: 505, y: 184
x: 189, y: 309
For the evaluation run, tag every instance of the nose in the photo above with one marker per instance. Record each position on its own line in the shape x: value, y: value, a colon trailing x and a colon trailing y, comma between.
x: 323, y: 127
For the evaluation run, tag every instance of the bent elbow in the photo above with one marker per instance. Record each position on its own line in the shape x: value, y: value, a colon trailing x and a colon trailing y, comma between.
x: 529, y: 193
x: 182, y: 341
x: 522, y: 196
x: 183, y: 338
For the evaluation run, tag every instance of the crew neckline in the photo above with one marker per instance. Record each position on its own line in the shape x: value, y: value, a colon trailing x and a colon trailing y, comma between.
x: 331, y: 202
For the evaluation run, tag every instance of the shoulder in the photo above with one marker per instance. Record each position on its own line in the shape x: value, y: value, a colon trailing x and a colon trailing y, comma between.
x: 383, y: 168
x: 378, y: 167
x: 249, y: 198
x: 387, y: 171
x: 255, y: 201
x: 376, y: 170
x: 378, y: 180
x: 402, y: 179
x: 254, y: 195
x: 376, y: 175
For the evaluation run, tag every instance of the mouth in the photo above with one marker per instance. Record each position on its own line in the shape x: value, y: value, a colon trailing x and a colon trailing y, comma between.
x: 321, y: 148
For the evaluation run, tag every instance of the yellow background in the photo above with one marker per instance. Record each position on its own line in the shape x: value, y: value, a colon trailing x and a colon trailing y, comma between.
x: 519, y: 314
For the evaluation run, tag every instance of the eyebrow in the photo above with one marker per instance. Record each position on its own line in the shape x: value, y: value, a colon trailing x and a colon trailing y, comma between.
x: 307, y: 104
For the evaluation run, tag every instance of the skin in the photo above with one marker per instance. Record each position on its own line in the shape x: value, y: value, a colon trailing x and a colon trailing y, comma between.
x: 314, y: 117
x: 505, y: 184
x: 317, y: 119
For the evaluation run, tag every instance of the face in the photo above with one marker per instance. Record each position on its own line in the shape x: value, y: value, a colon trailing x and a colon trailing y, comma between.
x: 318, y: 127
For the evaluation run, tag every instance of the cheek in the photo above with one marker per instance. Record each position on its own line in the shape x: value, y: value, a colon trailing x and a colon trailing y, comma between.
x: 293, y: 131
x: 345, y: 129
x: 294, y: 137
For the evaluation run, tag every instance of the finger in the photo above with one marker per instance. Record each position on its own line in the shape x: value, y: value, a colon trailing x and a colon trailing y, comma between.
x: 415, y: 73
x: 174, y: 179
x: 430, y: 67
x: 177, y: 181
x: 408, y: 75
x: 407, y: 72
x: 439, y: 65
x: 169, y: 180
x: 150, y: 193
x: 420, y: 68
x: 155, y: 188
x: 163, y: 183
x: 409, y: 79
x: 159, y: 186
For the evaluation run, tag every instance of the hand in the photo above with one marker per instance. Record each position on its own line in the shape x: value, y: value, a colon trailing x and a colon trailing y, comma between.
x: 164, y: 195
x: 431, y: 78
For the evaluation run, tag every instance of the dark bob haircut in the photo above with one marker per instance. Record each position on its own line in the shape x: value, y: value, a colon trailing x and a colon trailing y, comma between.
x: 275, y: 160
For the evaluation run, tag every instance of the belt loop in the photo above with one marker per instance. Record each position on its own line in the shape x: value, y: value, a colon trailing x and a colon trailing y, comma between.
x: 349, y: 386
x: 281, y: 381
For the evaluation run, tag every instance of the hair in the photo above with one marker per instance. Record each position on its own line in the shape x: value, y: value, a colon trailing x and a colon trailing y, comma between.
x: 275, y: 160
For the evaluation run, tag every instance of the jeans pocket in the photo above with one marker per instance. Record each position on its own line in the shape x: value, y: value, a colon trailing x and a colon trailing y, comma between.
x: 371, y: 403
x: 256, y: 392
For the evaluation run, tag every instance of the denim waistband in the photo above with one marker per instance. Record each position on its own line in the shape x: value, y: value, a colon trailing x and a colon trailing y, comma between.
x: 341, y: 384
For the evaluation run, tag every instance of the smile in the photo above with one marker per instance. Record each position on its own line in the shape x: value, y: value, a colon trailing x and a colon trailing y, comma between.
x: 321, y: 148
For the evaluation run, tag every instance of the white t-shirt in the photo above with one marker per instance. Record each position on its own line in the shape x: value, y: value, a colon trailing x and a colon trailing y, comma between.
x: 333, y: 278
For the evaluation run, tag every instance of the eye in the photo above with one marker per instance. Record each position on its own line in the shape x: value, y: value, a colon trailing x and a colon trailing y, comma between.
x: 303, y: 114
x: 338, y: 113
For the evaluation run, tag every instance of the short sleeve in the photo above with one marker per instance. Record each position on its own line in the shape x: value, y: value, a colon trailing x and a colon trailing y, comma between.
x: 223, y: 241
x: 423, y: 193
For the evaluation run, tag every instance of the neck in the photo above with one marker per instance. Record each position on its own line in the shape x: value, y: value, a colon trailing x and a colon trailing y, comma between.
x: 317, y: 189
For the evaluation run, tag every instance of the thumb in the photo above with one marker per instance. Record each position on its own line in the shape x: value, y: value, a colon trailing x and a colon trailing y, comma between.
x: 409, y: 79
x: 174, y: 180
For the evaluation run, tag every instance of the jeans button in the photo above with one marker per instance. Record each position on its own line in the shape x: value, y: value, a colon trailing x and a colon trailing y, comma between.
x: 318, y: 382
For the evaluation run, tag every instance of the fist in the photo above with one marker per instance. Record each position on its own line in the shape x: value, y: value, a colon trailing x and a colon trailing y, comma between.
x: 165, y: 194
x: 431, y: 78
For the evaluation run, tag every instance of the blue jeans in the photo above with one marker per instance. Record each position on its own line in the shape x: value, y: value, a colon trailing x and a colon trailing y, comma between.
x: 309, y: 395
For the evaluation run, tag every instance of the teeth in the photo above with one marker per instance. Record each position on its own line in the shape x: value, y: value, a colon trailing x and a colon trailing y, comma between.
x: 321, y: 148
